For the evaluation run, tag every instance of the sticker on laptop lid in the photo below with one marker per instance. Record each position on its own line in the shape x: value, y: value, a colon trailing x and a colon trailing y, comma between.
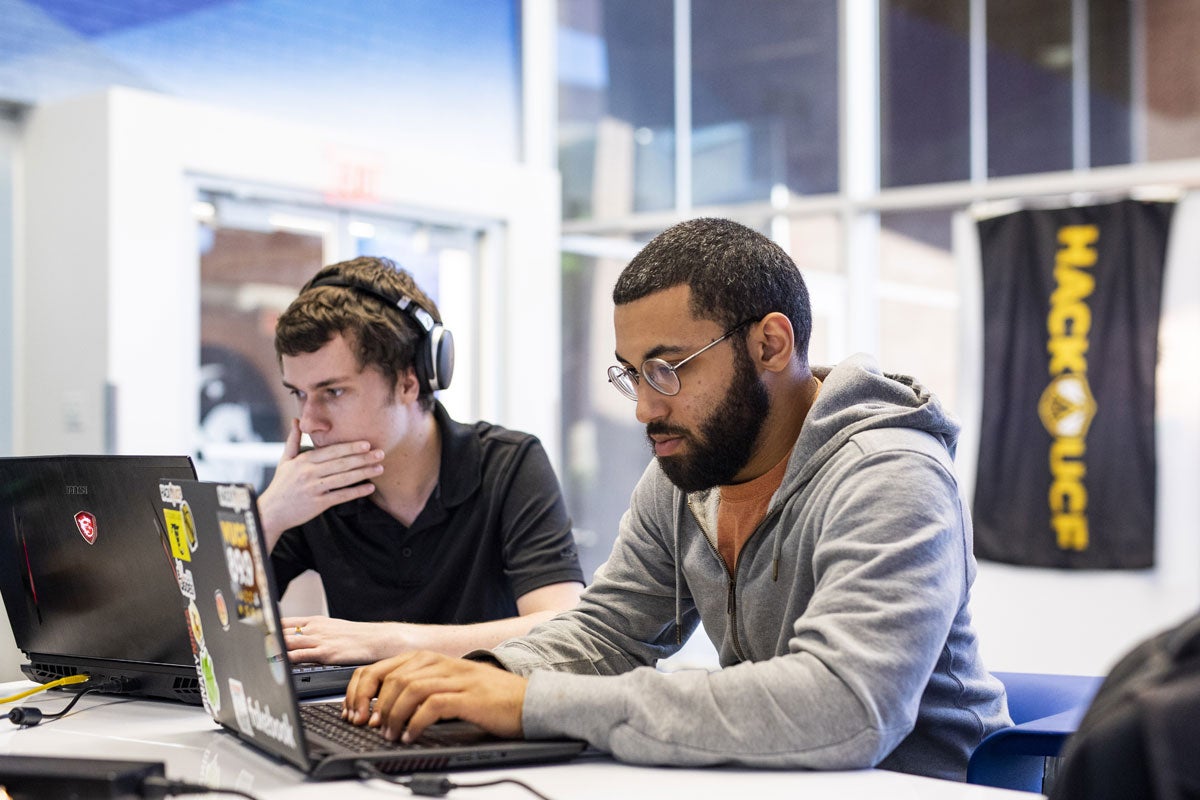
x: 243, y: 577
x: 210, y: 689
x: 187, y: 584
x: 222, y: 609
x: 181, y: 531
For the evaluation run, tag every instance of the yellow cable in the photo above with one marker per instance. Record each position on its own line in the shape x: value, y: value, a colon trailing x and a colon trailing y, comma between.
x: 51, y: 685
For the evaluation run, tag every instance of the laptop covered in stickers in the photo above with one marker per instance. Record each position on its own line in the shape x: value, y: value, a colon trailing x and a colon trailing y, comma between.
x: 88, y: 579
x: 240, y: 658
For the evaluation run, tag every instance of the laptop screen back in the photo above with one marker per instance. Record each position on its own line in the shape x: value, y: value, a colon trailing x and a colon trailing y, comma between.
x: 84, y: 571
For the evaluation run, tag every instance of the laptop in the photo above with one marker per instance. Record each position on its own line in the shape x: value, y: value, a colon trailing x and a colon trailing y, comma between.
x: 87, y: 580
x: 240, y: 657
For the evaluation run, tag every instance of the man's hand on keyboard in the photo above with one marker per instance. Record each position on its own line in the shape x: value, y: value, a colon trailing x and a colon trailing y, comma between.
x: 325, y: 640
x: 414, y: 690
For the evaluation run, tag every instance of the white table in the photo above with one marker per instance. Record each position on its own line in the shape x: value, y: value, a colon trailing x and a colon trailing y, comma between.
x: 194, y: 749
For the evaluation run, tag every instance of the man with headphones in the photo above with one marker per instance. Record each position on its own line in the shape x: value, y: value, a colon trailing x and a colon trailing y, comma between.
x: 428, y: 534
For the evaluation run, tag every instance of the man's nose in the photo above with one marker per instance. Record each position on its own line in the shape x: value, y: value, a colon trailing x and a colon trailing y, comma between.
x: 311, y: 418
x: 651, y: 403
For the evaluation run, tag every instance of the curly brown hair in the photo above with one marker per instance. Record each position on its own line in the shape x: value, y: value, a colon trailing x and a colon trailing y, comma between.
x: 379, y: 335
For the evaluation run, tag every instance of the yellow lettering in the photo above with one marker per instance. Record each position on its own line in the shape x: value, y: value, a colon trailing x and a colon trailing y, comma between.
x: 1077, y: 241
x: 1073, y: 285
x: 1068, y: 323
x: 1067, y: 354
x: 1068, y: 319
x: 234, y: 533
x: 1062, y: 450
x: 1071, y: 530
x: 1067, y: 497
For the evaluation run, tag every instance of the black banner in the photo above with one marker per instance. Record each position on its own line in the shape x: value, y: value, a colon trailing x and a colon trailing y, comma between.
x: 1067, y: 466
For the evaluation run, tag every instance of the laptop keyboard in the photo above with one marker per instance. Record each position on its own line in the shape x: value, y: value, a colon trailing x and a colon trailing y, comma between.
x: 306, y: 668
x: 326, y: 720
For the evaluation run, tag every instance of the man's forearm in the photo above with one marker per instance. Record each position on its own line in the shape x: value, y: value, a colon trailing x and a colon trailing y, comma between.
x: 456, y: 640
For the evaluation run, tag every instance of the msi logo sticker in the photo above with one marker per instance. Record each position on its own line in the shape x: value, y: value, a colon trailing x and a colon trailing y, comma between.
x: 85, y: 521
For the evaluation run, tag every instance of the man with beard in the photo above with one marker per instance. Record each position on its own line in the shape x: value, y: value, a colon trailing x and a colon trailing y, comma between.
x: 810, y: 519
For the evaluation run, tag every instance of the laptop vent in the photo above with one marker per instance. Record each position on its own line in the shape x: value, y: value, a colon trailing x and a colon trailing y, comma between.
x: 187, y: 690
x: 44, y: 673
x: 413, y: 764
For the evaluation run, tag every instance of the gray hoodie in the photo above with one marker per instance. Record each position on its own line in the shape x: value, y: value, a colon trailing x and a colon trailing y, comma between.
x: 844, y: 631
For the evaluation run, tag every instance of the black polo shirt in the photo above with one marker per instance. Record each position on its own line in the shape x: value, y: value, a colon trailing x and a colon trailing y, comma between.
x: 495, y: 528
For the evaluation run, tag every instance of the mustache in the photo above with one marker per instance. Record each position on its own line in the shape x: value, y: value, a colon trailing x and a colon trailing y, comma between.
x: 663, y: 429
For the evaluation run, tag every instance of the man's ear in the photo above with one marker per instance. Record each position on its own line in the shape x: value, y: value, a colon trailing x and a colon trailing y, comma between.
x: 773, y: 342
x: 408, y: 388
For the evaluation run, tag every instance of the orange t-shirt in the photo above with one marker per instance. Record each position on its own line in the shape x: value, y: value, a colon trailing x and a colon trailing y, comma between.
x: 742, y: 507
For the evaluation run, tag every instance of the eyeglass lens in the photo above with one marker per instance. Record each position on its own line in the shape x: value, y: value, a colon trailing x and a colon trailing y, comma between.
x: 661, y: 376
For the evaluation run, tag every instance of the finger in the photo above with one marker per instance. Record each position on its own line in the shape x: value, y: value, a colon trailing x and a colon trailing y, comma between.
x: 302, y: 654
x: 352, y: 700
x: 333, y: 497
x: 362, y: 689
x: 438, y: 705
x: 333, y: 452
x: 291, y: 446
x: 397, y: 700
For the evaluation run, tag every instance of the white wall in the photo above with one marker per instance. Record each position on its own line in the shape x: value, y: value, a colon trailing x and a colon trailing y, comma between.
x: 1046, y: 620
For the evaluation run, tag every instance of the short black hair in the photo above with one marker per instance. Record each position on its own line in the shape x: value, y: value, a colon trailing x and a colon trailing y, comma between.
x: 734, y: 272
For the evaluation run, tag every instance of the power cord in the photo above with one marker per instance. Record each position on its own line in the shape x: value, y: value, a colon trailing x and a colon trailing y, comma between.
x: 154, y: 788
x: 431, y: 784
x: 28, y: 716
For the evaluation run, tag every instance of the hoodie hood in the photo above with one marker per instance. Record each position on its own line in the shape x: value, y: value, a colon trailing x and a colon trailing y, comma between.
x: 856, y: 396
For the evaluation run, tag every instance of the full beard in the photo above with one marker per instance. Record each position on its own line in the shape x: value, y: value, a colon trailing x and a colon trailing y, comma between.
x: 727, y: 437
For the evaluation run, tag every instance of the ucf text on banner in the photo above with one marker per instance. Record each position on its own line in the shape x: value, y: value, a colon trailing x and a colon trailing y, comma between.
x: 1067, y: 466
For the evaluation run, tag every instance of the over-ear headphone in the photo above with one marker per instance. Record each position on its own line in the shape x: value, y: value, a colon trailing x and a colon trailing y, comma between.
x: 434, y: 359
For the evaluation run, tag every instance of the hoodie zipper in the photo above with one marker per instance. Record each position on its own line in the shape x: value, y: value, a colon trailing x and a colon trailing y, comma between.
x: 731, y: 574
x: 731, y: 598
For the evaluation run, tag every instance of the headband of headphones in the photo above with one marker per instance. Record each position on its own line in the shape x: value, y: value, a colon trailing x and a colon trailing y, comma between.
x: 434, y: 357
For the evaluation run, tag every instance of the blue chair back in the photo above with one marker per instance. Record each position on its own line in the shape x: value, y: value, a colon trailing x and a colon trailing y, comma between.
x: 1046, y: 709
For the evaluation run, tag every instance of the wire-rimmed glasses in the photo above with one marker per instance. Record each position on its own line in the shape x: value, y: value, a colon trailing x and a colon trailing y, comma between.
x: 661, y: 376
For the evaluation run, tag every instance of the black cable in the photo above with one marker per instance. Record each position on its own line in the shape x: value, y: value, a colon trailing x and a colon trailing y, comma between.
x: 165, y: 787
x: 431, y: 784
x: 28, y: 716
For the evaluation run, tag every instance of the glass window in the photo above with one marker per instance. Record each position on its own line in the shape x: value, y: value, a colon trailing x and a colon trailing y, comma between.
x: 919, y: 305
x: 248, y: 275
x: 1110, y: 103
x: 924, y: 61
x: 1029, y: 68
x: 915, y: 248
x: 606, y: 450
x: 1172, y: 28
x: 616, y: 104
x: 764, y: 98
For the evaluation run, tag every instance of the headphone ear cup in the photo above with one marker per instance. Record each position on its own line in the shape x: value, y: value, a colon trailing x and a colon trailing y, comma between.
x: 441, y: 355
